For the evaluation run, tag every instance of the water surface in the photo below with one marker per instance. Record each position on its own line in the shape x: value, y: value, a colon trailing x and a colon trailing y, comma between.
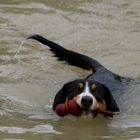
x: 104, y: 29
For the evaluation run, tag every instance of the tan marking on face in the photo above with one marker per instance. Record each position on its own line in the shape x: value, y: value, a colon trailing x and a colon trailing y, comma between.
x: 94, y: 105
x: 80, y: 85
x: 101, y: 106
x: 93, y: 86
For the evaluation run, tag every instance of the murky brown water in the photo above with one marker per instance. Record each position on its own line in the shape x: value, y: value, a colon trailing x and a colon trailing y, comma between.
x: 105, y: 29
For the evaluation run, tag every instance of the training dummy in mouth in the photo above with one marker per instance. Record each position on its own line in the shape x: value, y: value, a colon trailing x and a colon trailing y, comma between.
x: 72, y: 108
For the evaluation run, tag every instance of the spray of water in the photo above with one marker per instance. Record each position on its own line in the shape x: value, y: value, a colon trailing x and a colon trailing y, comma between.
x: 19, y: 49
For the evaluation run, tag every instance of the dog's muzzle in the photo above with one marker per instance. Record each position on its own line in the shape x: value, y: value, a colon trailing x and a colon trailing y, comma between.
x: 86, y: 101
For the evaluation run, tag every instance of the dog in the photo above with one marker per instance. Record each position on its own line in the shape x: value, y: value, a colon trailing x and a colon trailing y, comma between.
x: 94, y: 91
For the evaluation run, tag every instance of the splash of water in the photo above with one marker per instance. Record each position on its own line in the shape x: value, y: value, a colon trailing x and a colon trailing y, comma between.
x: 19, y: 49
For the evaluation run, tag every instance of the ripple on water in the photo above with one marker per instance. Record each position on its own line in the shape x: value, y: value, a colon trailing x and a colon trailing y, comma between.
x: 37, y: 129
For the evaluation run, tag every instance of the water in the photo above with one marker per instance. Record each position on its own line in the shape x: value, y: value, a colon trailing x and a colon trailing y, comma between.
x: 104, y: 29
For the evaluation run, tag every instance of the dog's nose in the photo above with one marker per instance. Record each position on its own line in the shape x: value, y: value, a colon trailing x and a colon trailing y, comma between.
x: 86, y: 101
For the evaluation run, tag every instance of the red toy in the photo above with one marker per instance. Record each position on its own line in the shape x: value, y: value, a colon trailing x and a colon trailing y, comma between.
x: 71, y: 107
x: 105, y: 113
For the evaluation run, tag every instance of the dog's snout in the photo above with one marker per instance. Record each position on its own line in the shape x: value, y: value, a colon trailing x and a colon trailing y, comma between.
x: 86, y: 101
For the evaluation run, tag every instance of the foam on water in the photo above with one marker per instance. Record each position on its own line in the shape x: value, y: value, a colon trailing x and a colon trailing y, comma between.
x: 37, y: 129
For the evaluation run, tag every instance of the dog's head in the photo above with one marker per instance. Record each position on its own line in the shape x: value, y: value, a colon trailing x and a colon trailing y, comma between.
x: 89, y: 95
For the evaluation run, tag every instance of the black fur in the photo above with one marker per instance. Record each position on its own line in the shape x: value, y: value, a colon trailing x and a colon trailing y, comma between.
x: 68, y: 91
x: 71, y: 57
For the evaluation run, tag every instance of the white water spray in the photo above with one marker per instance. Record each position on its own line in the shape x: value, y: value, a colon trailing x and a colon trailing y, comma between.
x: 19, y: 49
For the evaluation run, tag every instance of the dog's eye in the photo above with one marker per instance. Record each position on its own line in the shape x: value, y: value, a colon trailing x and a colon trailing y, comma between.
x: 93, y: 87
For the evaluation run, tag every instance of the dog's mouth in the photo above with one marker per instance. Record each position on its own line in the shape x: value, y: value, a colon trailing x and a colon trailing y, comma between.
x: 95, y: 109
x: 94, y: 113
x: 71, y: 107
x: 89, y: 113
x: 91, y: 107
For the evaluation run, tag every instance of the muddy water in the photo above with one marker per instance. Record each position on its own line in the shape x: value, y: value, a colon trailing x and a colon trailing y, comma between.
x: 104, y: 29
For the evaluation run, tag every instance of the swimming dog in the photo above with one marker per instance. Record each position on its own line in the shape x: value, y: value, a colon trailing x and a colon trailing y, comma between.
x: 92, y: 92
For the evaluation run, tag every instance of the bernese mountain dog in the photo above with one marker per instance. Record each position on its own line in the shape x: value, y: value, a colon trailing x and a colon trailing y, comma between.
x: 94, y: 91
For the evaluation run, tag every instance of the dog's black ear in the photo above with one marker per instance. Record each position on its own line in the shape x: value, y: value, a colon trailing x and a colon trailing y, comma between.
x: 111, y: 104
x: 60, y: 97
x: 66, y: 92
